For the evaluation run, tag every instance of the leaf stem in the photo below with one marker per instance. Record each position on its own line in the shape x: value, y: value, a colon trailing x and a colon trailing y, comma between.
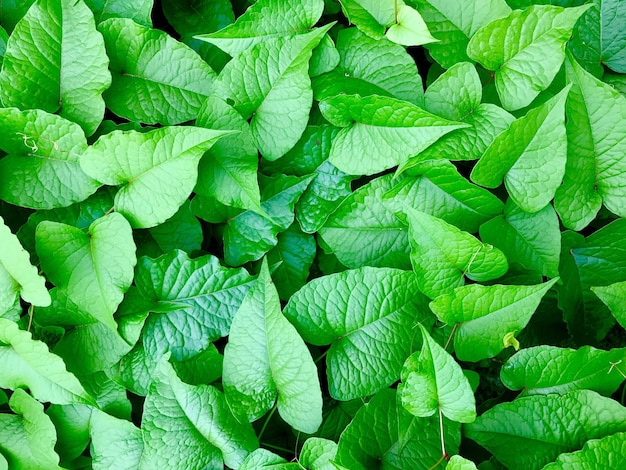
x: 31, y: 310
x: 451, y: 335
x: 444, y: 454
x: 321, y: 356
x: 272, y: 446
x: 267, y: 420
x: 437, y: 463
x: 395, y: 10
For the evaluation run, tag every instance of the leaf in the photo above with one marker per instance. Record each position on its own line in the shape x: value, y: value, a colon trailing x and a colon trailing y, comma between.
x: 157, y: 170
x: 28, y: 363
x: 368, y: 316
x: 56, y: 61
x: 454, y: 23
x: 530, y: 156
x: 432, y: 382
x: 583, y: 415
x: 147, y: 86
x: 531, y: 39
x: 137, y: 10
x: 410, y: 29
x: 442, y: 255
x: 596, y: 453
x: 317, y: 453
x: 43, y: 152
x: 283, y: 372
x: 614, y: 296
x: 263, y: 458
x: 384, y: 434
x: 387, y: 130
x: 94, y: 268
x: 276, y: 94
x: 548, y: 369
x: 18, y: 278
x: 182, y: 231
x: 596, y: 125
x: 4, y: 38
x: 324, y: 58
x: 115, y: 443
x: 532, y: 240
x: 193, y: 17
x: 457, y: 462
x: 360, y: 16
x: 486, y: 314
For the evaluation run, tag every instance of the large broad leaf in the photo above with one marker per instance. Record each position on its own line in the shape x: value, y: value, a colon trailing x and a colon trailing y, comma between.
x: 43, y: 153
x: 432, y: 381
x: 28, y: 363
x: 607, y: 453
x: 282, y: 369
x: 596, y: 130
x: 56, y: 61
x: 532, y: 240
x: 442, y: 255
x: 454, y: 23
x: 531, y: 423
x: 384, y: 435
x: 137, y: 10
x: 95, y: 267
x: 614, y: 296
x: 276, y: 93
x: 530, y: 156
x: 157, y: 170
x: 148, y: 85
x: 548, y: 369
x: 525, y: 50
x: 18, y: 278
x: 379, y: 132
x: 368, y: 316
x: 487, y: 316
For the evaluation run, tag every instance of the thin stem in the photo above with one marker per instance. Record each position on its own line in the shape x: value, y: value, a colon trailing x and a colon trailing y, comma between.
x: 444, y: 454
x: 395, y: 10
x: 437, y: 463
x: 267, y: 420
x: 321, y: 356
x: 31, y: 310
x: 272, y: 446
x: 451, y: 335
x: 109, y: 211
x: 614, y: 366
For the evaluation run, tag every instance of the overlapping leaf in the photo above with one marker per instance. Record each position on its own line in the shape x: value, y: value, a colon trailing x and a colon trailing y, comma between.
x: 596, y: 453
x: 614, y: 296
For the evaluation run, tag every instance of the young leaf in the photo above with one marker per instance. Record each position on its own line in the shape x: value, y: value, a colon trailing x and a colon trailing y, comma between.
x: 157, y: 170
x: 614, y: 297
x: 409, y: 28
x: 137, y: 10
x: 529, y: 423
x: 487, y: 315
x: 364, y: 19
x: 263, y: 458
x: 531, y: 39
x: 433, y: 381
x: 357, y: 312
x: 56, y: 61
x: 596, y: 453
x: 317, y: 453
x: 282, y: 370
x: 148, y: 85
x: 457, y: 462
x: 94, y: 268
x: 530, y: 156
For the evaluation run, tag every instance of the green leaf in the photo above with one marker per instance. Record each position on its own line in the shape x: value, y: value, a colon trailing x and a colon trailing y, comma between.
x: 94, y: 268
x: 275, y: 93
x: 409, y: 29
x: 548, y: 369
x: 442, y: 255
x: 596, y: 126
x: 386, y: 130
x: 115, y: 443
x: 530, y: 156
x: 193, y: 17
x: 532, y: 240
x: 203, y: 368
x: 149, y: 86
x: 43, y: 153
x: 530, y: 423
x: 283, y: 370
x: 456, y: 93
x: 18, y: 278
x: 486, y: 315
x: 27, y: 439
x: 263, y: 458
x: 56, y: 61
x: 182, y: 231
x: 4, y: 38
x: 324, y: 58
x: 317, y: 454
x: 358, y: 14
x: 357, y: 312
x: 525, y: 50
x: 614, y: 296
x: 137, y: 10
x: 266, y: 19
x: 454, y: 23
x: 157, y: 170
x: 432, y: 381
x: 28, y: 363
x: 596, y: 453
x: 384, y: 435
x: 457, y: 462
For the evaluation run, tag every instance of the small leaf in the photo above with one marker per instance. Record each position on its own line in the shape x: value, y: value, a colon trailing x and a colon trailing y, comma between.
x: 596, y: 453
x: 115, y: 443
x: 263, y: 458
x: 457, y: 462
x: 410, y: 29
x: 614, y: 296
x: 137, y: 10
x: 317, y: 453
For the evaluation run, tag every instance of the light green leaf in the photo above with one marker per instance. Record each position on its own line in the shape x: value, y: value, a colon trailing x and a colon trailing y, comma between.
x: 276, y: 93
x: 148, y: 85
x: 595, y: 170
x: 182, y: 231
x: 43, y: 153
x: 486, y: 315
x: 409, y: 28
x: 56, y: 61
x: 317, y: 454
x: 368, y: 316
x: 203, y: 368
x: 282, y: 370
x: 530, y: 156
x: 596, y: 453
x: 548, y: 369
x: 454, y: 23
x: 94, y: 268
x: 324, y: 58
x: 442, y: 255
x: 432, y: 381
x: 456, y: 93
x: 614, y: 296
x: 137, y: 10
x: 28, y: 363
x: 457, y: 462
x: 386, y: 130
x: 532, y: 240
x: 115, y: 443
x: 529, y: 423
x: 525, y: 50
x: 263, y: 458
x: 157, y: 170
x: 358, y: 15
x: 17, y: 276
